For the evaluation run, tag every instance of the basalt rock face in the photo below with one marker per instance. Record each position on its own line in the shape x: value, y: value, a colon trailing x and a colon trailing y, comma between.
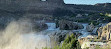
x: 31, y: 6
x: 59, y: 36
x: 6, y: 17
x: 103, y: 4
x: 104, y: 33
x: 39, y: 26
x: 46, y: 7
x: 68, y: 25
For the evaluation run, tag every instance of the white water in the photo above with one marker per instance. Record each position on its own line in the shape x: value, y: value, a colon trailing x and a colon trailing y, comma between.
x: 51, y: 26
x: 19, y: 35
x: 94, y: 31
x: 29, y: 41
x: 84, y: 31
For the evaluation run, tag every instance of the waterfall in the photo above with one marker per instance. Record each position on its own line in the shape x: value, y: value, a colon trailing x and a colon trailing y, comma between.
x: 51, y: 26
x: 29, y: 41
x: 83, y: 31
x: 94, y: 31
x: 84, y: 26
x: 18, y: 35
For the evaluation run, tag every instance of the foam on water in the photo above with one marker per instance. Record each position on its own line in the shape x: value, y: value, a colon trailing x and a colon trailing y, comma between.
x: 19, y: 35
x: 83, y: 31
x: 29, y: 41
x: 51, y: 26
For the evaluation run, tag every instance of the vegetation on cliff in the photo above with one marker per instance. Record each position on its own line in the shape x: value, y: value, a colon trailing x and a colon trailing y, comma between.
x: 69, y: 43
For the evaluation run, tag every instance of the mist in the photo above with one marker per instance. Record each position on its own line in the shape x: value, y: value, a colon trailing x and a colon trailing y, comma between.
x: 20, y: 35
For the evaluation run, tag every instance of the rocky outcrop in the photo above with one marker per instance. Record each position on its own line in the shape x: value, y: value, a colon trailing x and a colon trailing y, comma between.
x: 68, y: 25
x: 33, y: 6
x: 104, y: 33
x: 90, y: 27
x: 103, y: 4
x: 39, y: 26
x: 47, y: 7
x: 59, y: 36
x: 100, y: 31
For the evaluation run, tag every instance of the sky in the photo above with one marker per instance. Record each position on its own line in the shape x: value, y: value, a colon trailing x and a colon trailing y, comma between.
x: 86, y: 1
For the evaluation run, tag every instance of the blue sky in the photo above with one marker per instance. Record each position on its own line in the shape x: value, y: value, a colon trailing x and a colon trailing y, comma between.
x: 86, y: 1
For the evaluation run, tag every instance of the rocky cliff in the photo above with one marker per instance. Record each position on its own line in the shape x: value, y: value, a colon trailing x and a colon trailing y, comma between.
x: 104, y: 33
x: 103, y: 4
x: 20, y: 8
x: 32, y: 6
x: 47, y: 7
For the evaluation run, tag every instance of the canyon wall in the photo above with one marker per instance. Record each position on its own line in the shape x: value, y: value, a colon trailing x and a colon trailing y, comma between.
x: 47, y: 7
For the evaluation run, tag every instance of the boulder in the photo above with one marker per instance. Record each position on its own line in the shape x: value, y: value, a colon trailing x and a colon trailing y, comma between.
x: 90, y: 27
x: 68, y: 25
x: 60, y: 36
x: 80, y: 26
x: 39, y: 26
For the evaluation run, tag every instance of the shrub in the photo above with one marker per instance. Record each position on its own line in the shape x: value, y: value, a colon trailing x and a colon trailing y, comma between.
x: 69, y: 43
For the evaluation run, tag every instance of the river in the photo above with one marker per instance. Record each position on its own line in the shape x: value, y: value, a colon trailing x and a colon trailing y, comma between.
x: 15, y: 36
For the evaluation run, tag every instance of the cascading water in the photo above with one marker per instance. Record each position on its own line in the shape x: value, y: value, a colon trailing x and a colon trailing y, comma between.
x: 19, y: 35
x: 83, y: 31
x: 94, y: 31
x: 51, y: 26
x: 29, y: 41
